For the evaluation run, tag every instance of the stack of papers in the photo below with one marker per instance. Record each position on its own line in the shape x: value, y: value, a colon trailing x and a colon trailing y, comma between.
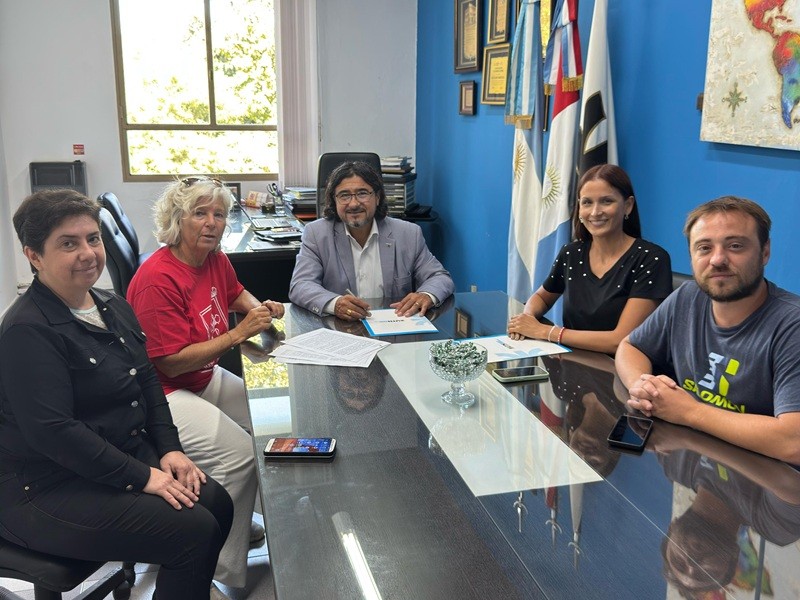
x: 328, y: 347
x: 385, y: 321
x: 502, y: 347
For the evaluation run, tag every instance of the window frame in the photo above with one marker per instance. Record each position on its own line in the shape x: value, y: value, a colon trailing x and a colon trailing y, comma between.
x: 122, y: 110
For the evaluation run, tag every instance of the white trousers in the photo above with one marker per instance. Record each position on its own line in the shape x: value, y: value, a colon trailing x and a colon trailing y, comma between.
x: 212, y: 426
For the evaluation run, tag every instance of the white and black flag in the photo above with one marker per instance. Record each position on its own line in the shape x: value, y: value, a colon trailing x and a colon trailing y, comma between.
x: 598, y: 134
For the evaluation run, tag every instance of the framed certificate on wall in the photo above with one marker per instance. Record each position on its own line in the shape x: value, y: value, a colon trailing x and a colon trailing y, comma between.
x: 497, y: 31
x: 467, y: 35
x: 495, y: 74
x: 466, y: 98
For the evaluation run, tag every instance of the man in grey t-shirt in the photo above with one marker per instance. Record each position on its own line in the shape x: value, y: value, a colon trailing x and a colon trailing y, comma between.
x: 729, y: 340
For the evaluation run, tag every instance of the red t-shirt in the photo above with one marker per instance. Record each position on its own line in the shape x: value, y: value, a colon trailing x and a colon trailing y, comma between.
x: 178, y: 305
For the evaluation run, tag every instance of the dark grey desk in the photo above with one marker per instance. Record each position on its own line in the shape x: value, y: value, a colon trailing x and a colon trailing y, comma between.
x: 396, y: 512
x: 265, y: 273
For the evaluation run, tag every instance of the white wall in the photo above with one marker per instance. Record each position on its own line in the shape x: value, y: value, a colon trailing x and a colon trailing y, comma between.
x: 8, y: 271
x: 367, y: 63
x: 57, y: 89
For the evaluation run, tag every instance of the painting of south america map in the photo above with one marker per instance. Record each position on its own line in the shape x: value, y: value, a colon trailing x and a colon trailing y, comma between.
x: 752, y: 84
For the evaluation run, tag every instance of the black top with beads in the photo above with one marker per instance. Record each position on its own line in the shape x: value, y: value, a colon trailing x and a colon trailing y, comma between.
x: 595, y: 304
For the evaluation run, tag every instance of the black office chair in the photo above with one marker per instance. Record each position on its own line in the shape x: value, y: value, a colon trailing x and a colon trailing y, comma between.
x: 121, y: 260
x: 52, y: 575
x: 330, y: 160
x: 678, y: 279
x: 110, y: 202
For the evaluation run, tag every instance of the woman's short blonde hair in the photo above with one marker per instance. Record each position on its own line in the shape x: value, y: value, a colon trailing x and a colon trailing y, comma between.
x: 180, y: 199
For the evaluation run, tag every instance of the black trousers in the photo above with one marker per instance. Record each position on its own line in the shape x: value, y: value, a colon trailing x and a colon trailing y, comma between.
x: 81, y: 519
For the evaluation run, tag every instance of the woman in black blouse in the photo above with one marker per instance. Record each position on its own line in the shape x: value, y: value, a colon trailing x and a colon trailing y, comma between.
x: 90, y: 462
x: 610, y: 278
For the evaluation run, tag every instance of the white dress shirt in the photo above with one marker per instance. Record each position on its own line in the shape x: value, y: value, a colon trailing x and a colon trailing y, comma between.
x: 367, y: 264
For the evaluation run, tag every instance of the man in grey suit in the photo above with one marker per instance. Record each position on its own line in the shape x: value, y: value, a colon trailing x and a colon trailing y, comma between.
x: 357, y: 252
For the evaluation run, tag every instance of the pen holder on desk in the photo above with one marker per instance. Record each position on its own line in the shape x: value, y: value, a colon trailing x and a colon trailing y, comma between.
x: 457, y: 363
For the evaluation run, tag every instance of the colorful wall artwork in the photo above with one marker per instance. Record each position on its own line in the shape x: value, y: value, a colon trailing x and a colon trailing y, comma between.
x: 753, y: 74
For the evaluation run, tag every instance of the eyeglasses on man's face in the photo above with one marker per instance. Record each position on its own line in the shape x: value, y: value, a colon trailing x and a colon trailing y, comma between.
x: 190, y: 181
x: 360, y: 195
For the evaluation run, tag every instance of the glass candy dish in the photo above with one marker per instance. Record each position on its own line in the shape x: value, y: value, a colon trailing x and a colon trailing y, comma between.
x: 457, y: 363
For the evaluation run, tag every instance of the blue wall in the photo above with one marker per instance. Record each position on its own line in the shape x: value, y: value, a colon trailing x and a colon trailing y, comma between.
x: 658, y: 54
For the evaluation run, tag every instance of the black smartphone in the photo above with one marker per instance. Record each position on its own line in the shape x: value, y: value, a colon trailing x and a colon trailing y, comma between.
x: 532, y: 373
x: 300, y: 448
x: 630, y: 433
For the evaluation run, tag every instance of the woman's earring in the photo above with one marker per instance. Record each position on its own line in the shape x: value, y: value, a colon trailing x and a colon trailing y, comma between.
x: 627, y: 217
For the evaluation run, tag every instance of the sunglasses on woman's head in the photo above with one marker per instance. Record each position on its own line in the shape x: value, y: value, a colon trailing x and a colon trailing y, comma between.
x: 189, y: 181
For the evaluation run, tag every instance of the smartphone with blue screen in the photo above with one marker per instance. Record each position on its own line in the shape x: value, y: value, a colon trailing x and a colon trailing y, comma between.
x: 300, y: 448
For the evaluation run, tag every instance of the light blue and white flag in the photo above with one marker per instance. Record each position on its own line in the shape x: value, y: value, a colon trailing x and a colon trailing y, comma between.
x: 524, y: 106
x: 559, y: 181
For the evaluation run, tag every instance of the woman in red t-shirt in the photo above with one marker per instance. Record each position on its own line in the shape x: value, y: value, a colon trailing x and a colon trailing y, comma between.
x: 182, y: 295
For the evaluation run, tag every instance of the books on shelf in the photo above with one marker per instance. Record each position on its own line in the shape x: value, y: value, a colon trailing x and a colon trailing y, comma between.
x: 396, y: 164
x: 398, y: 182
x: 303, y: 200
x: 395, y: 160
x: 398, y: 177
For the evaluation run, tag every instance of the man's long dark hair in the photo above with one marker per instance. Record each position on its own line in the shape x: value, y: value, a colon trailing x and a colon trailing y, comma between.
x: 354, y: 169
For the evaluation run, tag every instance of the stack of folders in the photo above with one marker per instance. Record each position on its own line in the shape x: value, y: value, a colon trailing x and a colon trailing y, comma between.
x: 328, y: 347
x: 398, y: 182
x: 303, y: 199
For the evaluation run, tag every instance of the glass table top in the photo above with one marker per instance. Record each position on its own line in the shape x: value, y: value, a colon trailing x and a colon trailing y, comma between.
x: 518, y: 496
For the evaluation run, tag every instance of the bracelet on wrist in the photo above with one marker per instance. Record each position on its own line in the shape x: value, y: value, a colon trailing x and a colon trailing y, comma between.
x: 561, y: 334
x: 549, y: 333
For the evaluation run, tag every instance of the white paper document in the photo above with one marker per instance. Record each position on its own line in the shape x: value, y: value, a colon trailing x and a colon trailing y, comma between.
x: 502, y: 347
x: 385, y: 321
x: 328, y: 347
x: 231, y: 241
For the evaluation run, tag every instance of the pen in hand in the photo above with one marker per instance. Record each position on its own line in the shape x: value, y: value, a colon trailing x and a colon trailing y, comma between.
x: 359, y: 303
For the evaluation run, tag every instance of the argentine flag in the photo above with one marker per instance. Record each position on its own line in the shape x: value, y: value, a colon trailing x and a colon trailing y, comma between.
x: 524, y: 105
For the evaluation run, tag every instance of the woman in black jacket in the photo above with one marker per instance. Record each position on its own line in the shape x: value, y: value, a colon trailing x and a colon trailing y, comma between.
x: 91, y: 466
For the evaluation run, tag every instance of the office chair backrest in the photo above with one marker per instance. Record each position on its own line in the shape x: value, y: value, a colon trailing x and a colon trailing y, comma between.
x: 330, y: 160
x: 120, y: 257
x: 109, y: 201
x: 678, y: 279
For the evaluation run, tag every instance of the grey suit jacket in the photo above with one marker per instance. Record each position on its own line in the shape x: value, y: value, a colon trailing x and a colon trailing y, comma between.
x: 325, y: 269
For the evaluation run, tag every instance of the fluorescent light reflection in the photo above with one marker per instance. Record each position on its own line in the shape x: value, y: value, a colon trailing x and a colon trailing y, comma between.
x: 358, y: 562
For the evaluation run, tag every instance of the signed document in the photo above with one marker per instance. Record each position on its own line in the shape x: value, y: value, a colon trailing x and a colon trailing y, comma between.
x: 386, y: 322
x: 327, y: 347
x: 502, y: 347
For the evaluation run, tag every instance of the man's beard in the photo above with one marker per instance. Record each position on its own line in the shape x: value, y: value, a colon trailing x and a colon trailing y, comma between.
x: 745, y: 289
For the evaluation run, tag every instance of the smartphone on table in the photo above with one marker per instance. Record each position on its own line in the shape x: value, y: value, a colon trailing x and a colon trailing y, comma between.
x: 300, y: 448
x: 630, y: 433
x: 531, y: 373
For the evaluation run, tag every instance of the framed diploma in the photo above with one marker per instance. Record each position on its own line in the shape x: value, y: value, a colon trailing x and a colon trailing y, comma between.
x: 497, y: 31
x: 463, y: 323
x: 495, y: 74
x: 466, y: 98
x: 236, y: 190
x: 467, y: 35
